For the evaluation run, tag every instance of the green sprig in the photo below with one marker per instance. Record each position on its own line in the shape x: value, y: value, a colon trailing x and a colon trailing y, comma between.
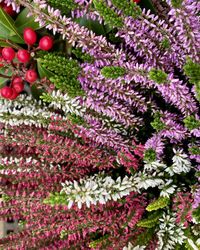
x: 157, y: 124
x: 129, y: 8
x: 161, y: 202
x: 150, y: 155
x: 158, y: 76
x: 113, y: 72
x: 109, y: 15
x: 191, y: 123
x: 176, y: 3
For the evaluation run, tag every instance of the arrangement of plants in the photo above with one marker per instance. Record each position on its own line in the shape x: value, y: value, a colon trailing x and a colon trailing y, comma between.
x: 99, y: 124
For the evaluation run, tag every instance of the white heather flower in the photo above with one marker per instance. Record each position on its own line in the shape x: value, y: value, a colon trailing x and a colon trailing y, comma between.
x: 142, y: 180
x: 66, y: 103
x: 181, y: 163
x: 169, y: 234
x: 131, y: 247
x: 167, y: 189
x: 155, y: 165
x: 24, y: 110
x: 97, y: 188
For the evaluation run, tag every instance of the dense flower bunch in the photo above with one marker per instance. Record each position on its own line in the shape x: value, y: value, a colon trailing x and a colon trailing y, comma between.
x: 101, y: 149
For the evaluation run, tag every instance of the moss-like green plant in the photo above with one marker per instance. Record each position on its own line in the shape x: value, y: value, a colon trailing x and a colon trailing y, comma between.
x: 176, y: 3
x: 150, y: 155
x: 192, y: 69
x: 157, y: 124
x: 151, y: 221
x: 158, y: 76
x: 109, y: 15
x: 129, y: 8
x: 64, y: 5
x: 113, y: 72
x: 161, y: 202
x: 65, y: 73
x: 191, y: 123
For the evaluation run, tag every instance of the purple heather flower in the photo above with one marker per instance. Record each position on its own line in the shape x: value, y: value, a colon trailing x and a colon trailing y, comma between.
x: 185, y: 21
x: 177, y: 93
x: 196, y: 202
x: 157, y: 144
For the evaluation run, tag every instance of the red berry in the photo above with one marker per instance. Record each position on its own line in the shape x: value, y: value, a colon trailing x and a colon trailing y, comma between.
x: 14, y: 94
x: 18, y: 84
x: 8, y: 53
x: 23, y: 55
x: 6, y: 92
x: 31, y: 76
x: 8, y: 9
x: 17, y: 79
x: 30, y: 36
x: 136, y: 1
x: 46, y: 43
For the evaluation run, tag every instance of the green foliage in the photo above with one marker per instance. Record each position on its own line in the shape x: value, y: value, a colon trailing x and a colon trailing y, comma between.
x: 82, y: 56
x: 93, y: 25
x: 63, y: 5
x: 161, y: 202
x: 5, y: 197
x: 67, y: 84
x: 129, y: 8
x: 144, y: 238
x: 109, y: 15
x: 151, y: 221
x: 56, y: 199
x: 195, y: 150
x: 165, y: 44
x: 192, y: 70
x: 60, y: 64
x: 150, y: 155
x: 197, y: 89
x: 176, y: 3
x: 64, y: 73
x: 157, y: 124
x: 43, y: 72
x: 95, y: 243
x: 191, y: 123
x: 76, y: 119
x: 8, y: 28
x: 23, y: 21
x: 113, y: 72
x: 158, y: 76
x: 196, y: 214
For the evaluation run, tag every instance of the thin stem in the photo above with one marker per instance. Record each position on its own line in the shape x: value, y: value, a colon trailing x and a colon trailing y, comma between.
x: 4, y: 76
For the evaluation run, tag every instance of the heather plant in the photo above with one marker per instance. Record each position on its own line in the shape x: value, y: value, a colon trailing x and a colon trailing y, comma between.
x: 99, y: 124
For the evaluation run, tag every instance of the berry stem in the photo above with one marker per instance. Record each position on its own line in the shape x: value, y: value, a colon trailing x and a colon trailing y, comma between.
x: 13, y: 45
x: 4, y: 76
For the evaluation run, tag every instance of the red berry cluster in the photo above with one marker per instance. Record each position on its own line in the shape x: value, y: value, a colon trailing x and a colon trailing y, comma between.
x: 8, y: 9
x: 16, y: 87
x: 30, y: 38
x: 8, y: 54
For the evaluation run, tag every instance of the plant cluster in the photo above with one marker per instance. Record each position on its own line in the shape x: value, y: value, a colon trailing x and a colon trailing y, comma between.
x: 101, y: 149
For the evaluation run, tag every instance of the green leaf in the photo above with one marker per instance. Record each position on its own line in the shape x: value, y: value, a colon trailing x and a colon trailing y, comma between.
x: 23, y: 21
x: 2, y: 79
x: 3, y: 43
x: 8, y: 29
x: 92, y: 25
x: 43, y: 72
